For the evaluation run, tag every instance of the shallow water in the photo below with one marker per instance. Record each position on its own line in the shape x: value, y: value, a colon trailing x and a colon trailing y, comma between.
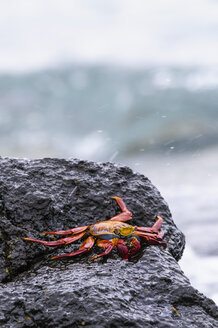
x: 189, y: 185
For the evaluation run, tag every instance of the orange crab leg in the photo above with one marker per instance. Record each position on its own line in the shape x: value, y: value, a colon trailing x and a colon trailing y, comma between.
x: 154, y: 229
x: 155, y: 240
x: 63, y: 241
x: 158, y: 236
x: 85, y: 247
x: 67, y: 232
x: 125, y: 215
x: 108, y: 245
x: 156, y: 226
x: 149, y: 234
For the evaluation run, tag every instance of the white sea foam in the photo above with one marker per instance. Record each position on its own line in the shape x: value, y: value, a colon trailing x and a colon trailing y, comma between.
x: 202, y: 272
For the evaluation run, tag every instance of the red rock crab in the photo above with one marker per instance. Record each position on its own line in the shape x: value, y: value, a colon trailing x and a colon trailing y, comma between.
x: 109, y: 234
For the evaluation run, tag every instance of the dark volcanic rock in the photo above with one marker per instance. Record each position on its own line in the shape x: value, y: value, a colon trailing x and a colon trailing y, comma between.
x: 53, y: 194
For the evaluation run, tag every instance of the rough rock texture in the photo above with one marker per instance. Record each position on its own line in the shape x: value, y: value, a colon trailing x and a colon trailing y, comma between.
x: 54, y: 194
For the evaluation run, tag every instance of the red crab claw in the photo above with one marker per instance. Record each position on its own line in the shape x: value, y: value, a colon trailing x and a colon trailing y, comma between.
x: 85, y: 247
x: 67, y: 232
x: 154, y: 229
x: 122, y: 249
x: 63, y: 241
x: 125, y: 215
x: 135, y: 247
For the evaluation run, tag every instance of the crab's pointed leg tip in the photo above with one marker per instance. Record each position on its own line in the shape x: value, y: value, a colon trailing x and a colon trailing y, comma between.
x: 92, y: 258
x: 53, y: 258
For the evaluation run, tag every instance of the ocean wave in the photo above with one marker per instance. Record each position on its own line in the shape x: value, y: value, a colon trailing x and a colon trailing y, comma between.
x: 95, y: 111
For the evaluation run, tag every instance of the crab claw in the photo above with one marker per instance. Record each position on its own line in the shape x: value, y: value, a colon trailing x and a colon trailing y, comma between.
x: 135, y: 247
x: 122, y: 249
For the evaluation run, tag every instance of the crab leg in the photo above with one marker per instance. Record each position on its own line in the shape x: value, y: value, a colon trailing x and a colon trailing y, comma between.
x: 108, y: 245
x: 125, y: 215
x: 158, y: 236
x: 155, y: 240
x: 85, y: 247
x: 63, y: 241
x: 154, y: 229
x: 156, y: 226
x: 67, y: 232
x: 149, y: 234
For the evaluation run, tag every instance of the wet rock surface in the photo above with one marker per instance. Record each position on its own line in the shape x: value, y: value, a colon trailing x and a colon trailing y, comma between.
x: 55, y: 194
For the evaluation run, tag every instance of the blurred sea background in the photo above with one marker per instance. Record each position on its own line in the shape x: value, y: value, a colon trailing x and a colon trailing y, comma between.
x: 130, y: 82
